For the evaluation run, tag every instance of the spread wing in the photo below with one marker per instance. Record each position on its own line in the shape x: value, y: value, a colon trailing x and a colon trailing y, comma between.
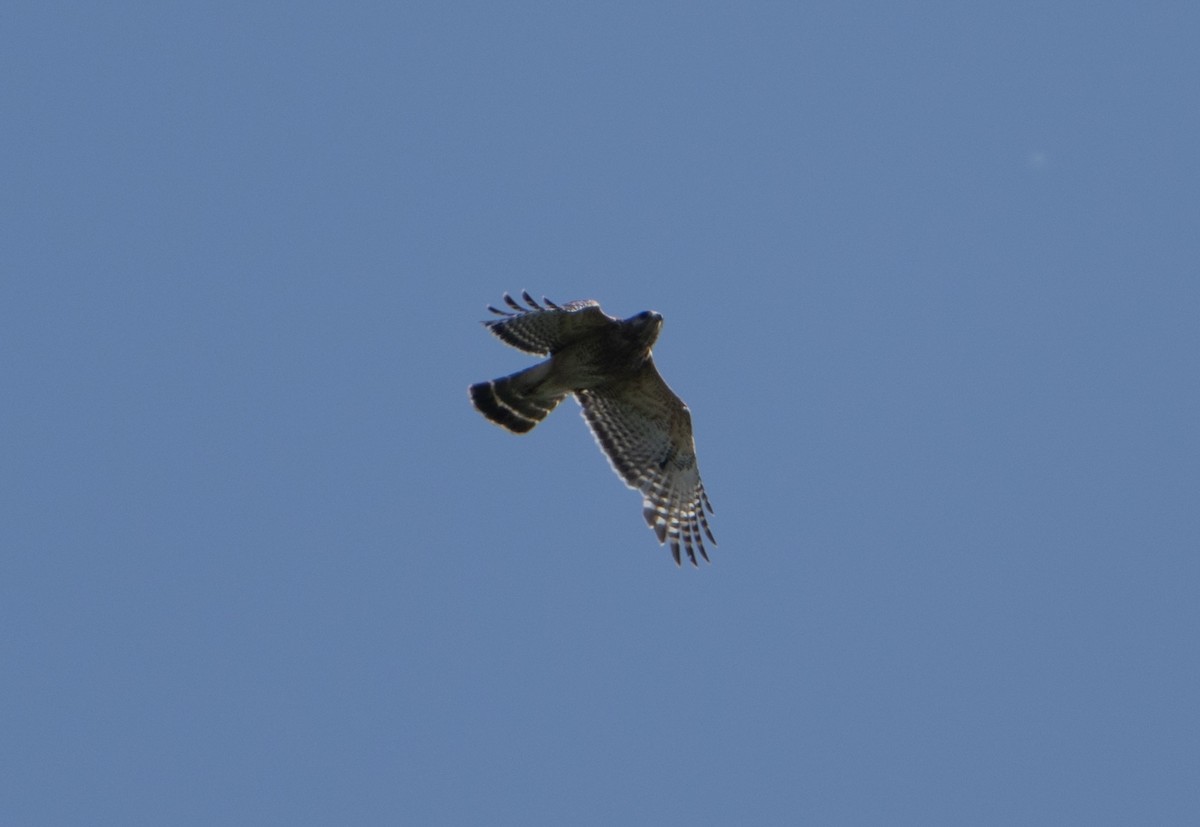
x: 646, y: 432
x: 544, y: 330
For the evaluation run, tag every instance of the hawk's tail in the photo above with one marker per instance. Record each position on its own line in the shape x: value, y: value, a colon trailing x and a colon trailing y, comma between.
x: 517, y: 402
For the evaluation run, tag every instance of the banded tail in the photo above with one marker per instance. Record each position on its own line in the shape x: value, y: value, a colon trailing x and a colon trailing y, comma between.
x: 517, y: 402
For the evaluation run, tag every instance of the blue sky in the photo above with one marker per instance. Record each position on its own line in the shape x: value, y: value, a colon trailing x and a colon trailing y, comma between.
x: 930, y: 280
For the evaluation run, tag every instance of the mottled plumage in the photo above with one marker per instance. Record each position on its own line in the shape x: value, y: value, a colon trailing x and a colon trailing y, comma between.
x: 644, y: 429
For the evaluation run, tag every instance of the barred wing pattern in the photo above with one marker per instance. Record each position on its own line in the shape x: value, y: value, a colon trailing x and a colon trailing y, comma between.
x: 543, y: 330
x: 646, y: 432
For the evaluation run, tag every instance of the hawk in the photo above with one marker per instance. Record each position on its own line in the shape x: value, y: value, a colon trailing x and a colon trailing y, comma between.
x: 641, y: 425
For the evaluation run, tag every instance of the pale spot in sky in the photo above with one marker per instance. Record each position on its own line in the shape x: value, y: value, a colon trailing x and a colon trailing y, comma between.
x: 1038, y: 160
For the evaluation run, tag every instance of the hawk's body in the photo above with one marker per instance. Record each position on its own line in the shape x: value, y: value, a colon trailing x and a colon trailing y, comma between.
x: 642, y: 426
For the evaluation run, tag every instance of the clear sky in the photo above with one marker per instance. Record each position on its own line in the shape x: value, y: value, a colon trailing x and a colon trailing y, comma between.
x: 931, y: 281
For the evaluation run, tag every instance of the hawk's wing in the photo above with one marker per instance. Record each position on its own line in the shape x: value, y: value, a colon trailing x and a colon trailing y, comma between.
x: 646, y: 431
x: 544, y: 330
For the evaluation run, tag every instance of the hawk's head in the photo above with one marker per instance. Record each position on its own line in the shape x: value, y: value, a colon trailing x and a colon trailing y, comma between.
x: 644, y: 327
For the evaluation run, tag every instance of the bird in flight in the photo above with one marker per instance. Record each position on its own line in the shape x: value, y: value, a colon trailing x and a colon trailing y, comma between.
x: 643, y: 428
